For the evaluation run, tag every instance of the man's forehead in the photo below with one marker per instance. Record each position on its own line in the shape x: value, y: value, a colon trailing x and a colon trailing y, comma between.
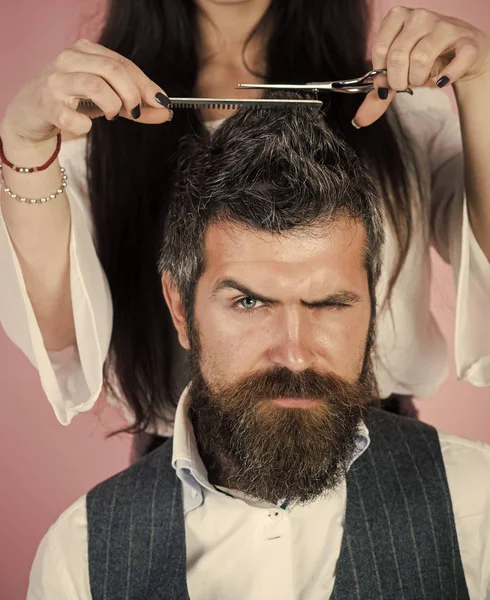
x: 339, y: 242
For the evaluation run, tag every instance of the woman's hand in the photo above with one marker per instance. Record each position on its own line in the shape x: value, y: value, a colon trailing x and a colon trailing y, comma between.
x: 48, y: 104
x: 420, y: 47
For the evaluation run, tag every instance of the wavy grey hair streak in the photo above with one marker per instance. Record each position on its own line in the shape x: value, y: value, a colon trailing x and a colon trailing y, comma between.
x: 274, y: 171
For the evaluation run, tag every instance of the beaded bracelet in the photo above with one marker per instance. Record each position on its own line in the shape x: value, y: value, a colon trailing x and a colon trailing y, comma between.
x: 59, y: 191
x: 43, y: 167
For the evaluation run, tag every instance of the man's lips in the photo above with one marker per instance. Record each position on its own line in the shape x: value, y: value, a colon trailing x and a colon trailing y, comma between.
x: 296, y: 402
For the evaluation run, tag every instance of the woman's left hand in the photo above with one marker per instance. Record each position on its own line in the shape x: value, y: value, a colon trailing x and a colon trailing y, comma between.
x: 418, y: 47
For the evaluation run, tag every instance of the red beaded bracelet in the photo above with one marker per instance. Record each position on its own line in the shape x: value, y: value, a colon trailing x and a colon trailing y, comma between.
x: 5, y: 160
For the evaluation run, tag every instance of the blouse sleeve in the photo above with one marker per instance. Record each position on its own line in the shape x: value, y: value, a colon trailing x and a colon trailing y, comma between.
x: 452, y: 235
x: 71, y: 378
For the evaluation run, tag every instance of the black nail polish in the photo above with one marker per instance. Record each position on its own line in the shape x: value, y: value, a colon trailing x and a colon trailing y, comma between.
x: 443, y: 81
x: 115, y: 118
x: 162, y: 99
x: 383, y: 93
x: 136, y: 112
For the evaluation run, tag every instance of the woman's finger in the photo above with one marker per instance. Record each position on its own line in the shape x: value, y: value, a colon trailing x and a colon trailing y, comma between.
x: 151, y: 93
x: 426, y: 61
x: 390, y: 27
x: 73, y: 61
x: 418, y: 25
x: 437, y: 49
x: 466, y: 55
x: 73, y: 86
x: 372, y: 109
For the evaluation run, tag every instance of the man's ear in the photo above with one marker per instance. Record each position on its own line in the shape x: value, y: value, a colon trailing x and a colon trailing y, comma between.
x: 176, y: 308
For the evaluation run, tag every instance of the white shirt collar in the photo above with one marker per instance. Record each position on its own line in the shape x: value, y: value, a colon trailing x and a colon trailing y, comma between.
x: 190, y: 468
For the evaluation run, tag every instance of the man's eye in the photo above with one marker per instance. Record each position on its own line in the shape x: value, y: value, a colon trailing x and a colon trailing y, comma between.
x: 248, y: 303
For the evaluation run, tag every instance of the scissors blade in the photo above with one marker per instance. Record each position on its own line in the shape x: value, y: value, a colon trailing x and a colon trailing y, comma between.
x: 312, y: 87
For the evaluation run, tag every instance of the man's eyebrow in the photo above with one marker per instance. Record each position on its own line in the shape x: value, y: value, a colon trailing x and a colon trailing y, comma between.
x: 334, y: 299
x: 232, y: 284
x: 342, y: 297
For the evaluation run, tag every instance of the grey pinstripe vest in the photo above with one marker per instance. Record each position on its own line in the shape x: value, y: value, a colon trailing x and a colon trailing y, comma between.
x: 399, y: 539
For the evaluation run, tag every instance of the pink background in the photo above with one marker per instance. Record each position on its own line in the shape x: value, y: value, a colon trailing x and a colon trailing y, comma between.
x: 44, y: 466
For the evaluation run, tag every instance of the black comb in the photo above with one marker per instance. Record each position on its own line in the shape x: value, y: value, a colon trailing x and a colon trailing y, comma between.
x: 230, y: 103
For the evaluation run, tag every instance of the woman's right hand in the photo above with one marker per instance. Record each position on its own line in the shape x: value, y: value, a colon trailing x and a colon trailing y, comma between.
x: 48, y: 104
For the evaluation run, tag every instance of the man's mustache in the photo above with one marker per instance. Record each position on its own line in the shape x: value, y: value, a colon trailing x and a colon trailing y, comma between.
x: 280, y: 382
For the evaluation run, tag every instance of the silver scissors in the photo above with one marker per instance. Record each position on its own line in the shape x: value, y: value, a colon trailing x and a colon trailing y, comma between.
x: 360, y: 85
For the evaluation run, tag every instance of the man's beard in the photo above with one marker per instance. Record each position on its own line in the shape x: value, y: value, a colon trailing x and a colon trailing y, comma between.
x: 272, y: 453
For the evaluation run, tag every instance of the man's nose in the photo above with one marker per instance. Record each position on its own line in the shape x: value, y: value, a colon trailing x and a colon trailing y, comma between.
x: 293, y: 342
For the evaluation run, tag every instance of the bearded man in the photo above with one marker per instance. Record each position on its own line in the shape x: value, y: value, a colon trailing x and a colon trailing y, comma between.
x: 282, y: 480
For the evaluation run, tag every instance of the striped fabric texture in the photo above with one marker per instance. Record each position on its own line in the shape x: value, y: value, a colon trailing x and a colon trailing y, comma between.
x: 399, y: 538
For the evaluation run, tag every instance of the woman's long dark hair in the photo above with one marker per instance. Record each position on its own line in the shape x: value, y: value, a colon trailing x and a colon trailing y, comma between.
x: 132, y: 166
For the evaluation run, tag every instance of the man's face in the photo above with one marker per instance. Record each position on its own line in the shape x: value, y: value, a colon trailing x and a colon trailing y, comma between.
x: 299, y: 301
x: 278, y: 341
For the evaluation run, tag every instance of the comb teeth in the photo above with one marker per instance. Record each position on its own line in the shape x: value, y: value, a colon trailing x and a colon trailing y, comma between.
x: 234, y: 103
x: 196, y: 105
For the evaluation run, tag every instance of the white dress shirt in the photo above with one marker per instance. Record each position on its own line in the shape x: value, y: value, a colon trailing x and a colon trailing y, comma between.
x: 240, y: 548
x: 411, y: 353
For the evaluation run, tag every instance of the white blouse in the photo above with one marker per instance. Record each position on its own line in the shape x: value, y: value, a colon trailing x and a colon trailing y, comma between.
x: 411, y: 353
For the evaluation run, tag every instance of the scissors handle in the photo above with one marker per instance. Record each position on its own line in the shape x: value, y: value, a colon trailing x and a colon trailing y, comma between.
x: 358, y: 85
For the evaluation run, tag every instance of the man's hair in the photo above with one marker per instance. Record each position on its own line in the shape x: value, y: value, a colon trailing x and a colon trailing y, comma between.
x: 268, y: 170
